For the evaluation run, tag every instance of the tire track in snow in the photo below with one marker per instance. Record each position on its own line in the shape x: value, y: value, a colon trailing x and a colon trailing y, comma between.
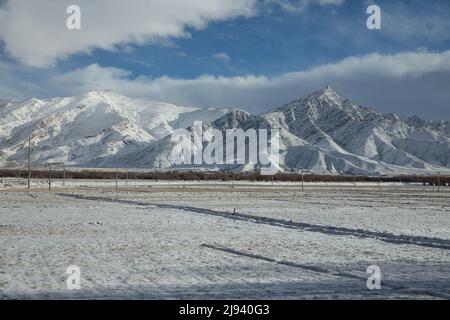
x: 319, y: 269
x: 329, y: 230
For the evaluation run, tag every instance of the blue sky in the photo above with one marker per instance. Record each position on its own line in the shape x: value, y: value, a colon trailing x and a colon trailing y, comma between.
x: 252, y: 54
x: 271, y: 43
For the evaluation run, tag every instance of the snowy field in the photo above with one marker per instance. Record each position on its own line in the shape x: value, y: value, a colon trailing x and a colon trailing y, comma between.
x: 170, y: 240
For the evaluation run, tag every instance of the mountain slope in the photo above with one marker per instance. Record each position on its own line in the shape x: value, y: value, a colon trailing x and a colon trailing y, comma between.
x: 90, y: 128
x: 322, y: 132
x: 325, y: 132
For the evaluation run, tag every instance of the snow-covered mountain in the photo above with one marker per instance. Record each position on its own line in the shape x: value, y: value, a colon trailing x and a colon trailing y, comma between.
x: 91, y: 129
x: 327, y: 132
x: 322, y: 132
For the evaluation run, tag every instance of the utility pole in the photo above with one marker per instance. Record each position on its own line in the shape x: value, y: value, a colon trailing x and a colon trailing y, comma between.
x: 126, y: 176
x: 49, y: 176
x: 439, y: 181
x: 64, y: 176
x: 29, y: 162
x: 117, y: 177
x: 303, y: 182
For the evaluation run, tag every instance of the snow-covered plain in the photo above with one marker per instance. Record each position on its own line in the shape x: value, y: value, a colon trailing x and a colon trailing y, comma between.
x: 191, y: 240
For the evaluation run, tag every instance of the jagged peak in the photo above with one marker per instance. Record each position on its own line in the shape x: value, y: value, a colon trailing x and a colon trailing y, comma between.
x: 93, y: 94
x: 112, y: 97
x: 393, y: 117
x: 237, y: 112
x: 327, y: 92
x: 233, y: 119
x: 103, y: 91
x: 101, y: 94
x: 235, y: 115
x: 415, y: 121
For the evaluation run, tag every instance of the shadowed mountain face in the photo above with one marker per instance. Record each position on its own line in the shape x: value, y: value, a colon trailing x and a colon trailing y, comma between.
x: 350, y: 138
x: 322, y: 132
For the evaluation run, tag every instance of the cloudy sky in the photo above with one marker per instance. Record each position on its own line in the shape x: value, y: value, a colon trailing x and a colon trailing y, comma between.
x: 251, y: 54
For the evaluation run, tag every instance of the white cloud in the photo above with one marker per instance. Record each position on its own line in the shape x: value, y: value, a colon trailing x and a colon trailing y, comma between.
x: 222, y: 56
x: 416, y: 20
x: 35, y: 33
x: 300, y: 5
x: 405, y: 83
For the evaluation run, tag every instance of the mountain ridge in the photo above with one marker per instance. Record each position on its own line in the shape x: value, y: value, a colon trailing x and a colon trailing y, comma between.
x: 322, y: 132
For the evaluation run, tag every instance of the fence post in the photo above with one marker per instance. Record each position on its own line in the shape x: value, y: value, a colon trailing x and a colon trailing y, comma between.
x: 117, y: 177
x: 439, y: 181
x: 49, y: 176
x: 303, y: 182
x: 64, y: 176
x: 29, y: 162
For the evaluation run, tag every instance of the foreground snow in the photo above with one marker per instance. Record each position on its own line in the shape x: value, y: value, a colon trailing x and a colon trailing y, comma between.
x: 174, y: 240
